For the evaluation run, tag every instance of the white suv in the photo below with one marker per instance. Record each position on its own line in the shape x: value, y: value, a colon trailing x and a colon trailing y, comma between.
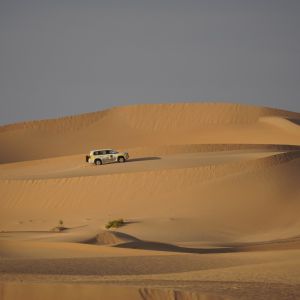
x: 105, y: 156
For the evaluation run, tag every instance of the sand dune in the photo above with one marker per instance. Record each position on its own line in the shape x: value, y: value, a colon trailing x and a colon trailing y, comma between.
x: 183, y: 195
x: 75, y: 166
x: 145, y: 125
x: 210, y: 198
x: 12, y: 291
x: 286, y: 124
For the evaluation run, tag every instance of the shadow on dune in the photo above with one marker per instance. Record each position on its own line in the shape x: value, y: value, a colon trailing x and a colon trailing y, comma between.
x: 123, y: 240
x: 247, y: 247
x: 157, y: 246
x: 295, y: 121
x: 134, y: 243
x: 143, y: 159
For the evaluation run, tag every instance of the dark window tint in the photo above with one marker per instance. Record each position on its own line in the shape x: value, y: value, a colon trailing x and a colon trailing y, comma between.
x: 99, y: 152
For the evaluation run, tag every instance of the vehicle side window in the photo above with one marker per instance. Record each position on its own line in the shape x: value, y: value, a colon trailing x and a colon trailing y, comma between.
x: 96, y: 152
x: 112, y: 152
x: 101, y: 152
x: 107, y: 151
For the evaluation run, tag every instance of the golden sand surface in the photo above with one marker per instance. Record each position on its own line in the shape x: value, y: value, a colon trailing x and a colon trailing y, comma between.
x: 210, y: 199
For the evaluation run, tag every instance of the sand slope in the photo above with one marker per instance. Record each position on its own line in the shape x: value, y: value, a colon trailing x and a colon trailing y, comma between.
x: 210, y: 198
x: 147, y: 125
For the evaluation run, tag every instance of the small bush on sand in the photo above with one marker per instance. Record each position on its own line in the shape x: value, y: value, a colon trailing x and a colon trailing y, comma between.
x: 60, y: 227
x: 115, y: 223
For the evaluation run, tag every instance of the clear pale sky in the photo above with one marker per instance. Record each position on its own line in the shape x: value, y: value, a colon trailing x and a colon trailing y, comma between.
x: 62, y: 57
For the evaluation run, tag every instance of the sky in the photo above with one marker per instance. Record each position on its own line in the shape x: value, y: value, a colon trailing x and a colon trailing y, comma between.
x: 64, y: 57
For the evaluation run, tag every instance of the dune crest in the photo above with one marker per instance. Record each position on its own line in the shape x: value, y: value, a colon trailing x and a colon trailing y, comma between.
x: 209, y: 198
x: 145, y: 125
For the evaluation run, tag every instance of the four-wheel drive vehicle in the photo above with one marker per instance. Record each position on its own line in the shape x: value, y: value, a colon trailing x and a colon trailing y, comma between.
x: 105, y: 156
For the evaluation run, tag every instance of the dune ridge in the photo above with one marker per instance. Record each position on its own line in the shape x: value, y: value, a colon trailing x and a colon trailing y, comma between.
x: 156, y: 178
x: 144, y: 191
x: 147, y: 125
x: 209, y: 198
x: 223, y: 113
x: 190, y: 148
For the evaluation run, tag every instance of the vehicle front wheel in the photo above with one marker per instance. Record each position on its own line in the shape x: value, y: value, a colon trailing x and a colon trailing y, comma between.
x: 121, y: 159
x: 98, y: 162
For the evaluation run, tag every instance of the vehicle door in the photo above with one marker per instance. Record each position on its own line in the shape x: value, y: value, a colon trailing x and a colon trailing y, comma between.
x: 104, y: 157
x: 112, y: 155
x: 108, y: 156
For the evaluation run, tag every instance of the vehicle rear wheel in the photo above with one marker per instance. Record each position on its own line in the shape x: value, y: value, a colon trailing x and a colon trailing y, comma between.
x: 98, y: 162
x: 121, y: 159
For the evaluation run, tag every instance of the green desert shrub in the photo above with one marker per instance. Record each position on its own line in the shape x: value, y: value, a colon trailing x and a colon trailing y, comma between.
x: 115, y: 223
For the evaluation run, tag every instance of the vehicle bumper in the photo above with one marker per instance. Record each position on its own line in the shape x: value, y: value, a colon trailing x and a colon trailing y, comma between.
x: 88, y: 159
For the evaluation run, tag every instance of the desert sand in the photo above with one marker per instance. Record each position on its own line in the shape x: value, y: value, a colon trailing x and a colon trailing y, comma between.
x: 210, y: 198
